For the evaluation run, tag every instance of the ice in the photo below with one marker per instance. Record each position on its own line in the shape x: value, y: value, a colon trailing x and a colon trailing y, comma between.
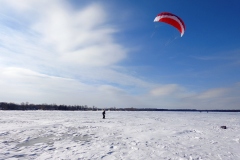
x: 122, y: 135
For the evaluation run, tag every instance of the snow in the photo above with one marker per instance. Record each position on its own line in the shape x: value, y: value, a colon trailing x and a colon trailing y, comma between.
x: 122, y: 135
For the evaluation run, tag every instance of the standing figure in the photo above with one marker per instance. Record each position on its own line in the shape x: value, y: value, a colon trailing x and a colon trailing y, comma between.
x: 103, y: 113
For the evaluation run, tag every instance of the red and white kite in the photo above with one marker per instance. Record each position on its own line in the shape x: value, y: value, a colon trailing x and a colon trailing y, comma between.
x: 171, y: 19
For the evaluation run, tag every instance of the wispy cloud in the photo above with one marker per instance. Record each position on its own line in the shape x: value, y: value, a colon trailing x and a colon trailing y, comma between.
x: 216, y: 98
x: 231, y: 55
x: 166, y: 90
x: 57, y: 45
x: 213, y: 93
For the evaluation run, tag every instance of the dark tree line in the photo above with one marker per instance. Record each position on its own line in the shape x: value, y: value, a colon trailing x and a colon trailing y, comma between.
x: 27, y: 106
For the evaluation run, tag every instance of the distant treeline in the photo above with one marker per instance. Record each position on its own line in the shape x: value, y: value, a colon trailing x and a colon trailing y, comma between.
x: 27, y: 106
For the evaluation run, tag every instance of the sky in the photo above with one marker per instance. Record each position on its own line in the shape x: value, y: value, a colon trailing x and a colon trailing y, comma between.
x: 110, y: 53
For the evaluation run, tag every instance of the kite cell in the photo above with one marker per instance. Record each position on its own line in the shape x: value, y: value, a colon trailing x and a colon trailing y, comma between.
x: 171, y: 19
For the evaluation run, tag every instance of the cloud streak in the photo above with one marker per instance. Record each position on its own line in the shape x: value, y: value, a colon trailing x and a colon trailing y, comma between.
x: 59, y: 43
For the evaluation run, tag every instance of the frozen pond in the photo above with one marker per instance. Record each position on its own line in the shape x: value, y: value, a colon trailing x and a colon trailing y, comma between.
x: 122, y: 135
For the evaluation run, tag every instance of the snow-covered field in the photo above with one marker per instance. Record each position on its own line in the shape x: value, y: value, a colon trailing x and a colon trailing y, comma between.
x: 122, y: 135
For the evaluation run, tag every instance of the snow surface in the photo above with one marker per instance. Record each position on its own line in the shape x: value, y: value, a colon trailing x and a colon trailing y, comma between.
x: 122, y: 135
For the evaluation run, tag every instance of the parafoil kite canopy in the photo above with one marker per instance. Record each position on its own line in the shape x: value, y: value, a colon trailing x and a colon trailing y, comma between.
x: 171, y: 19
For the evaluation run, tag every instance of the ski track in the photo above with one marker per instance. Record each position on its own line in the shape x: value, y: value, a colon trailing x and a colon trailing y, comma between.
x: 122, y: 135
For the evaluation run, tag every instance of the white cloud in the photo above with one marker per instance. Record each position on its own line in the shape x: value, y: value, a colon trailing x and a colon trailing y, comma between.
x: 95, y: 55
x: 25, y: 85
x: 81, y: 37
x: 22, y: 85
x: 166, y: 90
x: 61, y: 41
x: 213, y: 93
x: 216, y: 98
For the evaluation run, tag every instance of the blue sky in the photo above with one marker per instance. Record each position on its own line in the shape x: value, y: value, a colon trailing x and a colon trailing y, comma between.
x: 111, y: 54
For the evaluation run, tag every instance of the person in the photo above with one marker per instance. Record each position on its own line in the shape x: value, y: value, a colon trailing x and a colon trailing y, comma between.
x: 103, y: 113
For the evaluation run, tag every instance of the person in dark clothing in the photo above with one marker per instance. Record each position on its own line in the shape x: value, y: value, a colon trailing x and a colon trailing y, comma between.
x: 103, y: 113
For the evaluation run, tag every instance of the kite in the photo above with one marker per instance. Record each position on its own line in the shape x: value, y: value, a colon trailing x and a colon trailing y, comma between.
x: 171, y: 19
